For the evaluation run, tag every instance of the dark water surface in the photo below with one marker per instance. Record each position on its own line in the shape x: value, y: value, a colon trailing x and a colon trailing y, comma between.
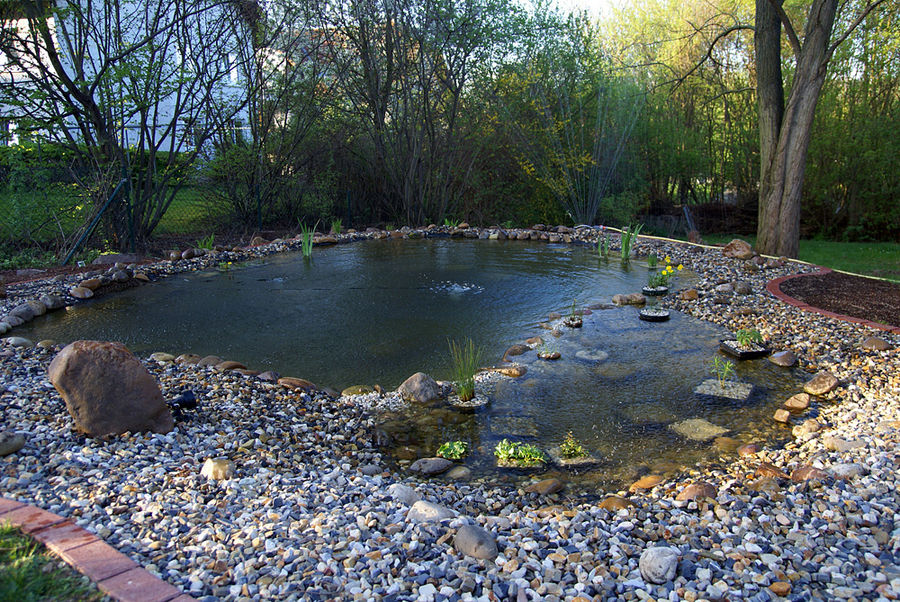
x: 378, y: 311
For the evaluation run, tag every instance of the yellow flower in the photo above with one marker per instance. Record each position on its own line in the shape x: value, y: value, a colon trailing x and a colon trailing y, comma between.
x: 680, y: 267
x: 668, y: 259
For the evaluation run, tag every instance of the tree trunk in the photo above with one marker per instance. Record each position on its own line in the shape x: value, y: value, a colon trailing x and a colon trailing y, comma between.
x: 783, y: 156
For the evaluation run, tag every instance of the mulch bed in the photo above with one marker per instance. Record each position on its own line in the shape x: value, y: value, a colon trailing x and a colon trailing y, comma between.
x: 856, y: 296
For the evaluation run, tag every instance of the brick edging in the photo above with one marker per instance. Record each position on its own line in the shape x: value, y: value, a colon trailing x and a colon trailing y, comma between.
x: 115, y: 574
x: 774, y: 287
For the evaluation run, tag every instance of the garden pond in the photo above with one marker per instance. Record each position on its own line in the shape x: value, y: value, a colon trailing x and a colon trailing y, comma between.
x: 378, y: 311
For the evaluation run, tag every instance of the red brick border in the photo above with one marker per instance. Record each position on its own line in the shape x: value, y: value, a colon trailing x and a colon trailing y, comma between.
x: 774, y: 287
x: 114, y: 573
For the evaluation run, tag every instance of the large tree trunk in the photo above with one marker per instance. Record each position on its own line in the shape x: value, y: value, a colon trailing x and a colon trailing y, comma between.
x: 784, y: 139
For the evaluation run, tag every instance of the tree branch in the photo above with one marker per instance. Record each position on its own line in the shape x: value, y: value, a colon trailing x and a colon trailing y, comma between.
x: 708, y: 56
x: 865, y: 12
x: 788, y: 27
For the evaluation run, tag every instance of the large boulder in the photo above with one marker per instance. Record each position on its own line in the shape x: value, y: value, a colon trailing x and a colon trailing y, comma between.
x: 738, y: 249
x: 419, y: 387
x: 107, y: 390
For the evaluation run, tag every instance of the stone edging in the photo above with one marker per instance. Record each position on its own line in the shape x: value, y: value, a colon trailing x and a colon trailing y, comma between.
x: 112, y: 572
x: 774, y: 287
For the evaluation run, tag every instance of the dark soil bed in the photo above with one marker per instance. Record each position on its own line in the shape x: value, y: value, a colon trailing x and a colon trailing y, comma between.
x: 856, y: 296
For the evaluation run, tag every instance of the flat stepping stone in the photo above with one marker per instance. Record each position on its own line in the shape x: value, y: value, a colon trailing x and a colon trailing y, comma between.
x: 592, y: 355
x: 579, y: 464
x: 698, y: 429
x: 728, y: 390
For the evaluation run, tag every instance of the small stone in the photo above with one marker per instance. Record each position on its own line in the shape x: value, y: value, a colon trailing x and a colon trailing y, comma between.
x: 431, y: 466
x: 876, y: 344
x: 658, y: 564
x: 187, y: 358
x: 697, y: 491
x: 162, y: 357
x: 210, y: 360
x: 646, y: 482
x: 474, y: 541
x: 19, y: 342
x: 780, y: 588
x: 690, y: 294
x: 614, y: 503
x: 782, y: 415
x: 357, y: 390
x: 545, y: 487
x: 785, y: 359
x: 230, y: 365
x: 459, y: 473
x: 217, y: 469
x: 514, y: 371
x: 841, y: 445
x: 11, y: 442
x: 403, y: 494
x: 808, y: 473
x: 300, y: 384
x: 80, y: 292
x: 515, y: 350
x: 420, y: 388
x: 797, y: 403
x: 750, y: 449
x: 822, y: 383
x: 427, y: 512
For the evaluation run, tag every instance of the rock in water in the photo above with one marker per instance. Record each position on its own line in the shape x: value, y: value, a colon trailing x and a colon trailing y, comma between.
x: 698, y: 429
x: 658, y: 564
x: 431, y: 466
x: 107, y: 390
x: 476, y: 542
x: 419, y: 387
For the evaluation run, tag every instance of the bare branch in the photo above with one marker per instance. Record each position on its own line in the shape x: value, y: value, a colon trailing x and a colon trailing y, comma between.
x: 859, y: 19
x: 788, y: 27
x: 709, y: 51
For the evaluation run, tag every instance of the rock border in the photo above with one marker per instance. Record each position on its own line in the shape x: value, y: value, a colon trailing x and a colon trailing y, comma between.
x: 114, y: 573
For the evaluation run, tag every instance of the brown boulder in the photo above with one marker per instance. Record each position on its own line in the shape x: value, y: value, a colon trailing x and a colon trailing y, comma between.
x: 782, y: 415
x: 809, y: 473
x: 107, y: 390
x: 738, y: 249
x: 751, y: 449
x: 785, y: 358
x: 797, y: 403
x: 614, y: 503
x: 697, y: 491
x: 420, y: 388
x: 647, y: 482
x: 690, y: 294
x: 289, y: 382
x: 822, y: 383
x: 517, y: 349
x: 876, y: 344
x: 545, y: 487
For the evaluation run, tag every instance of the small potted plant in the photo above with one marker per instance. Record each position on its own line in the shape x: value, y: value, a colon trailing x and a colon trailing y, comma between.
x: 515, y: 454
x: 654, y: 314
x: 722, y: 385
x: 573, y: 320
x: 658, y: 282
x: 546, y: 352
x: 453, y: 450
x: 746, y: 344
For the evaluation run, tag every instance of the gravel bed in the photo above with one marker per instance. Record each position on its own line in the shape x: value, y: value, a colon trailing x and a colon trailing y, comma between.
x: 313, y: 513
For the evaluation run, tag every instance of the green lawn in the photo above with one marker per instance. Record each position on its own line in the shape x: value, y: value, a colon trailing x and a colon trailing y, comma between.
x: 880, y: 259
x: 29, y: 572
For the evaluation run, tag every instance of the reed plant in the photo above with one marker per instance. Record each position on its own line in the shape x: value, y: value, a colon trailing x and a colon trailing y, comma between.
x: 336, y: 225
x: 306, y: 239
x: 466, y: 358
x: 629, y: 237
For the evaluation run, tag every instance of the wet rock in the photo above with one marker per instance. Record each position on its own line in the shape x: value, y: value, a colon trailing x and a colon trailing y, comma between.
x: 750, y: 449
x: 797, y: 403
x: 46, y: 344
x: 11, y: 442
x: 698, y: 429
x: 209, y: 361
x: 187, y: 358
x: 217, y: 469
x: 822, y: 383
x: 592, y: 355
x: 427, y: 512
x: 545, y: 487
x: 876, y: 344
x: 697, y: 491
x: 420, y: 388
x: 107, y: 390
x: 19, y: 342
x: 646, y: 482
x: 614, y: 503
x: 357, y: 390
x: 162, y: 357
x: 658, y: 564
x: 690, y: 294
x: 80, y: 292
x: 474, y: 541
x: 459, y: 473
x: 726, y: 444
x: 269, y: 376
x: 230, y: 365
x: 53, y: 301
x: 91, y: 283
x: 297, y: 384
x: 431, y: 466
x: 514, y: 371
x: 515, y: 350
x: 738, y: 249
x: 782, y: 415
x: 785, y: 359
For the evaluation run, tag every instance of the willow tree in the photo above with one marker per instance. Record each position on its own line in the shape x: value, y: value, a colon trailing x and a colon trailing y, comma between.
x: 785, y: 128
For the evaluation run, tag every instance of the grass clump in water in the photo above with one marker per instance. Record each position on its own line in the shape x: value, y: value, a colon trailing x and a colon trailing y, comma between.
x: 453, y: 450
x: 519, y: 454
x: 466, y: 359
x: 28, y: 571
x: 306, y: 239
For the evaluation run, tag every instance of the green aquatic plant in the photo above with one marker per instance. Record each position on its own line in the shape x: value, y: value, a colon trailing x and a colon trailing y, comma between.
x: 451, y: 223
x: 466, y: 359
x: 603, y: 243
x: 336, y: 225
x: 571, y: 448
x: 453, y: 450
x: 629, y: 237
x: 723, y: 369
x: 652, y: 260
x: 516, y: 452
x: 745, y: 336
x: 306, y: 239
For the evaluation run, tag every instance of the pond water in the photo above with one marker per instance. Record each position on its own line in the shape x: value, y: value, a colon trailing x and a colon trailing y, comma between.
x: 378, y: 311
